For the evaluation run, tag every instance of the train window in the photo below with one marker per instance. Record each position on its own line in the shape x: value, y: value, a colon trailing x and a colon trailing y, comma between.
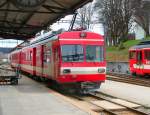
x: 47, y: 53
x: 139, y: 55
x: 30, y: 56
x: 94, y: 53
x: 38, y: 56
x: 38, y: 52
x: 26, y: 56
x: 147, y: 54
x: 72, y: 53
x: 132, y: 55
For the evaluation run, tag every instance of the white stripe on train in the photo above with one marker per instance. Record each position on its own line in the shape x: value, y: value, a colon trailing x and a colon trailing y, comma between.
x: 83, y: 70
x: 143, y: 66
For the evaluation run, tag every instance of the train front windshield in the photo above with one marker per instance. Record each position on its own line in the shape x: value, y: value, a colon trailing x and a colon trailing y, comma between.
x: 75, y: 53
x: 94, y: 53
x: 72, y: 53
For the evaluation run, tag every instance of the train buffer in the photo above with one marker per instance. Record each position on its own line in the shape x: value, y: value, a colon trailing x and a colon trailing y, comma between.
x: 9, y: 76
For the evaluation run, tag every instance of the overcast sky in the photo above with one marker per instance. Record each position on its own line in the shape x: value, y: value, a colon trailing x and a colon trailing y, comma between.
x: 98, y: 28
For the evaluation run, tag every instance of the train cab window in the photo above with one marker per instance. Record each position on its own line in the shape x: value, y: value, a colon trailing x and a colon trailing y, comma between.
x: 94, y: 53
x: 147, y: 54
x: 72, y: 53
x: 132, y: 55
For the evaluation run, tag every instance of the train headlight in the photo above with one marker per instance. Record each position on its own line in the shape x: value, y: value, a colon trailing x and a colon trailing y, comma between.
x: 101, y: 70
x: 66, y: 71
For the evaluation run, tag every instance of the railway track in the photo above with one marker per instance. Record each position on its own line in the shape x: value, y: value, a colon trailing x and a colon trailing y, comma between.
x: 91, y: 98
x: 126, y: 78
x: 122, y: 110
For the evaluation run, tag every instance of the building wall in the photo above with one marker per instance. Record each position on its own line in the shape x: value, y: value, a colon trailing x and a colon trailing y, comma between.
x: 119, y: 67
x: 139, y: 32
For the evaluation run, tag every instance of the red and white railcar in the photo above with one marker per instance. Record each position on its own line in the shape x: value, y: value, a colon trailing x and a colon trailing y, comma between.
x: 75, y: 57
x: 139, y: 59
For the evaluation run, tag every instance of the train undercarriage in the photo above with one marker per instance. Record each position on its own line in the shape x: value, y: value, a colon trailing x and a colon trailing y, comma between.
x: 81, y: 87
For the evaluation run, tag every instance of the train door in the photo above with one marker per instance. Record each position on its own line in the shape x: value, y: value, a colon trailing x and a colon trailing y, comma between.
x: 47, y: 60
x: 132, y: 59
x: 18, y: 66
x: 146, y: 58
x: 56, y: 62
x: 30, y: 61
x: 39, y: 60
x: 19, y: 58
x: 34, y: 60
x: 139, y: 62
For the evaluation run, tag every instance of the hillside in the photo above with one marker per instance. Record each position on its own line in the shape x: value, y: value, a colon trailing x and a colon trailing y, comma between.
x: 113, y: 54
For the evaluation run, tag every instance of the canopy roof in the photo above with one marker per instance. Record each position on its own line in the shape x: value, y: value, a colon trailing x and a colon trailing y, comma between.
x: 22, y: 19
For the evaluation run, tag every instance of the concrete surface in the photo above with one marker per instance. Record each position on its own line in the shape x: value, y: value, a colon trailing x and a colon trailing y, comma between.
x: 33, y: 98
x: 134, y: 93
x: 126, y: 103
x: 121, y: 67
x: 107, y: 105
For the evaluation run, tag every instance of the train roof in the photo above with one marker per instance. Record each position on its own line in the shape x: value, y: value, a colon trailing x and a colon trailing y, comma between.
x: 64, y: 35
x: 80, y: 34
x: 144, y: 43
x: 67, y: 35
x: 141, y: 45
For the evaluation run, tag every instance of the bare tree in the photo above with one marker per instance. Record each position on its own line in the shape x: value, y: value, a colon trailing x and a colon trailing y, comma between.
x: 85, y: 16
x: 142, y: 14
x: 116, y: 15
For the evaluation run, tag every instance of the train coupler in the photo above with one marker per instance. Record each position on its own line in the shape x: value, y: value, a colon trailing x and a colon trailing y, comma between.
x: 87, y: 87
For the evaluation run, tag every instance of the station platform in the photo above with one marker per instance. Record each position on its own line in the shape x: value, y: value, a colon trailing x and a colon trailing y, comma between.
x: 33, y: 98
x: 130, y: 92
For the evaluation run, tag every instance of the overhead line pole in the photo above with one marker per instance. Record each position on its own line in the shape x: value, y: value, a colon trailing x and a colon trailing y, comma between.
x: 73, y: 21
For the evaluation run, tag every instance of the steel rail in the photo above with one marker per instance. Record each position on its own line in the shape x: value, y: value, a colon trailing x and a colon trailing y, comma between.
x: 132, y: 109
x: 128, y: 79
x: 103, y: 109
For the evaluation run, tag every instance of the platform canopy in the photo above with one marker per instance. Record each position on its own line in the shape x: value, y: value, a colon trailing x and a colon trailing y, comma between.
x: 22, y: 19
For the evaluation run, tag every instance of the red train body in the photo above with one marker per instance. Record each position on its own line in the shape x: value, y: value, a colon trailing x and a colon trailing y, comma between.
x: 67, y: 58
x: 139, y: 59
